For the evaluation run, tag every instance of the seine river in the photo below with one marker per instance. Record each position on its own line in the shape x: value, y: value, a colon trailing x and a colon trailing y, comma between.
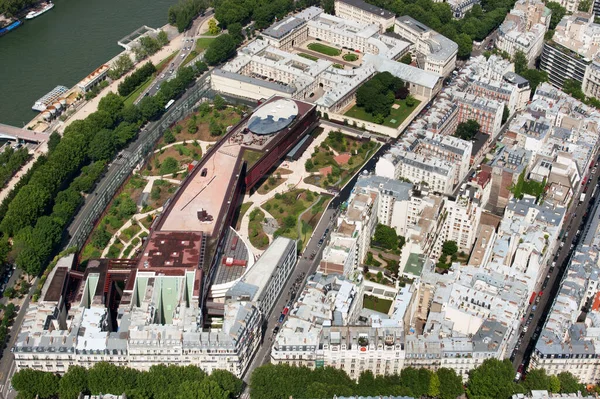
x: 65, y: 44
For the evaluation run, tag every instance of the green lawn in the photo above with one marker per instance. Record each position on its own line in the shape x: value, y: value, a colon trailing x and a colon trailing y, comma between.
x: 286, y: 208
x: 252, y: 157
x: 323, y: 49
x: 338, y: 66
x: 134, y: 95
x: 350, y: 57
x: 396, y: 117
x: 377, y: 304
x: 308, y: 56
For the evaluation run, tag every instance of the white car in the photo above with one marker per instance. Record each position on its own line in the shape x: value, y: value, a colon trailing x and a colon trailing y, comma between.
x: 182, y: 55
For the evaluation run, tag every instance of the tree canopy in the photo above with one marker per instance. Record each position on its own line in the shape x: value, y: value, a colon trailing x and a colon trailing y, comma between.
x: 467, y: 130
x: 160, y: 382
x: 377, y: 95
x: 183, y: 13
x: 385, y: 237
x: 220, y: 49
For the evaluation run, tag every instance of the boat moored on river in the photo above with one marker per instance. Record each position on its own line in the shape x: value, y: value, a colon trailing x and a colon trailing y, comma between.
x: 40, y: 10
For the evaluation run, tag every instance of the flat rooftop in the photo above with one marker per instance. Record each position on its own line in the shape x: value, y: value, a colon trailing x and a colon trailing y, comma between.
x: 205, y: 191
x: 169, y: 252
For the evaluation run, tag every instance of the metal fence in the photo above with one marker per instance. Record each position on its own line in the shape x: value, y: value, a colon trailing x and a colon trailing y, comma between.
x: 118, y: 172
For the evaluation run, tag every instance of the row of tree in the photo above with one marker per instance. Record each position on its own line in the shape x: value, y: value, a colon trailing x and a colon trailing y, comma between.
x: 10, y: 162
x: 494, y: 379
x: 120, y: 67
x: 262, y: 12
x: 46, y: 200
x: 183, y: 13
x: 160, y: 382
x: 131, y: 82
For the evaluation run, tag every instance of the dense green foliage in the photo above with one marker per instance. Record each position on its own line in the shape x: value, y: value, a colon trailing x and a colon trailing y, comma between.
x: 385, y: 237
x: 183, y: 13
x: 467, y: 130
x: 220, y: 49
x: 120, y: 67
x: 282, y: 381
x: 159, y: 382
x: 10, y: 162
x: 449, y: 250
x: 262, y: 12
x: 530, y: 187
x: 558, y: 12
x: 150, y: 45
x: 128, y: 86
x: 11, y: 7
x: 378, y: 94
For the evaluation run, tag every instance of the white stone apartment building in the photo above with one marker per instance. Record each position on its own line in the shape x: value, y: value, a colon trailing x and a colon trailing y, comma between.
x: 435, y: 53
x: 360, y: 11
x: 460, y: 221
x: 487, y: 112
x: 524, y: 28
x: 436, y: 174
x: 351, y: 238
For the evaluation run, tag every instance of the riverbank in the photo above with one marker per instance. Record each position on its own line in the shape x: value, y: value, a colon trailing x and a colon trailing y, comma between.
x: 44, y: 52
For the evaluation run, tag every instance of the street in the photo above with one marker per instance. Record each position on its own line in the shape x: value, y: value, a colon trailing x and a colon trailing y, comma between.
x: 572, y: 223
x: 188, y: 43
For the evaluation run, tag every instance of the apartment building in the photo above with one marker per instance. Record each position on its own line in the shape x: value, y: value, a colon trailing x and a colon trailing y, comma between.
x: 287, y: 34
x: 487, y: 112
x: 460, y: 221
x: 351, y: 237
x: 158, y: 319
x: 566, y: 343
x: 572, y: 52
x: 392, y: 193
x: 435, y: 53
x: 460, y: 7
x: 524, y: 28
x: 434, y: 173
x: 361, y: 11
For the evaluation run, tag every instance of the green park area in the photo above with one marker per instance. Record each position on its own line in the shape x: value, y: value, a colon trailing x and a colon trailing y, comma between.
x: 395, y: 117
x: 207, y: 123
x: 384, y: 100
x: 286, y: 208
x: 377, y: 304
x: 350, y: 57
x: 324, y: 49
x: 336, y: 160
x: 308, y: 56
x: 258, y: 238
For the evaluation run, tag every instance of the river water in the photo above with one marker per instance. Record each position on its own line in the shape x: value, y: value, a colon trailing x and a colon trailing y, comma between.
x: 64, y: 45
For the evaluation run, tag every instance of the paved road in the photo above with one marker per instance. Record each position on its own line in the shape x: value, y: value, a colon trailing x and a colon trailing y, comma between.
x: 187, y: 45
x: 574, y: 221
x: 304, y: 268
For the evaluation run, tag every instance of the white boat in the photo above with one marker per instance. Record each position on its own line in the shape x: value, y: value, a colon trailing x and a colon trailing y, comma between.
x: 40, y: 11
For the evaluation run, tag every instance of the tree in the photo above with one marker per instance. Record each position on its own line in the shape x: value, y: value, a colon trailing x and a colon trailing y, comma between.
x: 170, y: 165
x: 73, y: 382
x: 584, y: 6
x: 410, y: 101
x: 385, y: 237
x: 213, y: 28
x: 520, y: 60
x: 102, y: 146
x: 537, y: 379
x: 220, y: 50
x: 235, y: 30
x: 31, y: 383
x: 558, y: 12
x: 493, y: 379
x: 554, y: 384
x: 168, y: 136
x: 121, y: 65
x: 451, y: 385
x: 467, y: 130
x: 111, y: 103
x: 434, y: 386
x: 377, y: 95
x: 308, y: 165
x: 465, y: 46
x: 219, y: 102
x: 569, y: 383
x: 191, y: 126
x: 150, y: 108
x: 228, y: 382
x: 162, y: 38
x: 406, y: 59
x: 505, y: 114
x: 449, y: 248
x: 183, y: 13
x: 535, y: 77
x: 573, y: 88
x: 53, y: 141
x: 214, y: 128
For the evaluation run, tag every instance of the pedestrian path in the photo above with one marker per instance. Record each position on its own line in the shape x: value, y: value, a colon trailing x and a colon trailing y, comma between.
x: 117, y: 236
